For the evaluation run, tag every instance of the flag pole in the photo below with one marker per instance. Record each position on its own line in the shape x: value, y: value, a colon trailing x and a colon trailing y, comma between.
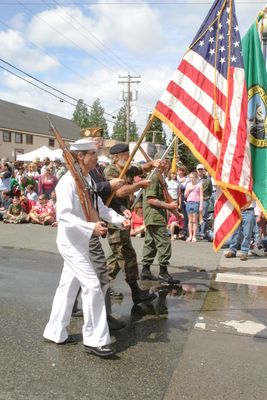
x: 137, y: 145
x: 150, y: 176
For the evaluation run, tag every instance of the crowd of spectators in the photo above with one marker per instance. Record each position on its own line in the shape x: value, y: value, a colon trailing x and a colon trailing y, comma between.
x: 27, y: 195
x: 27, y: 191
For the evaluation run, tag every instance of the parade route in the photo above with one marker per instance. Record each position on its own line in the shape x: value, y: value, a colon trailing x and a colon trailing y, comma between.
x: 207, y: 341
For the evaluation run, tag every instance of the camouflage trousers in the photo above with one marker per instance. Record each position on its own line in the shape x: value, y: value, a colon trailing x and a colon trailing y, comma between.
x: 122, y: 255
x: 157, y: 240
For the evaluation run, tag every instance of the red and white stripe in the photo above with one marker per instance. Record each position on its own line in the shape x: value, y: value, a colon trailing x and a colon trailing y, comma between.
x: 188, y: 106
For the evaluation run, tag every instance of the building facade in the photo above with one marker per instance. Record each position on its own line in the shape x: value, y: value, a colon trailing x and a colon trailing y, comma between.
x: 24, y: 129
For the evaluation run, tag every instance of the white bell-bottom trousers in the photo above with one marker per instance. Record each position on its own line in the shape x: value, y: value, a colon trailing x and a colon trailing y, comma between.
x: 78, y: 271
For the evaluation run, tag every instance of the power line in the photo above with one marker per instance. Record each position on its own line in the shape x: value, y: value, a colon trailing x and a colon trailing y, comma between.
x: 64, y: 36
x: 49, y: 55
x: 45, y: 90
x: 132, y: 3
x: 115, y: 57
x: 75, y: 44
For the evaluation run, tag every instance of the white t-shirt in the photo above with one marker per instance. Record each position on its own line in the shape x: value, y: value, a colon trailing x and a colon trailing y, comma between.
x: 173, y: 187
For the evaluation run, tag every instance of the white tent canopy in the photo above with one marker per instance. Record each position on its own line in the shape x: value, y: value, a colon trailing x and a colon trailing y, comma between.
x: 41, y: 153
x: 56, y: 154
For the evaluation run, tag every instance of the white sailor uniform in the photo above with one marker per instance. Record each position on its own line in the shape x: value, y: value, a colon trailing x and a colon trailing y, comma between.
x: 73, y: 236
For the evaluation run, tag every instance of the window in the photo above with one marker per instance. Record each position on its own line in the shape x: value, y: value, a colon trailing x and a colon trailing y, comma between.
x: 51, y: 143
x: 6, y: 136
x: 17, y: 152
x: 18, y: 137
x: 29, y: 139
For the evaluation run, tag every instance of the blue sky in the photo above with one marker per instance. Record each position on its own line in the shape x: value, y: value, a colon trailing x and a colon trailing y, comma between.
x: 81, y: 49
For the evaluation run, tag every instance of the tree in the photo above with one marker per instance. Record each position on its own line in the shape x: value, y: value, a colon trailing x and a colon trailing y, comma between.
x: 96, y: 118
x: 119, y: 128
x: 80, y: 115
x: 156, y: 133
x: 186, y: 157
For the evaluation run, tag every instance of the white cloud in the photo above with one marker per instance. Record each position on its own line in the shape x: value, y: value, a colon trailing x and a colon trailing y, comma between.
x: 16, y: 51
x: 137, y: 28
x: 18, y: 21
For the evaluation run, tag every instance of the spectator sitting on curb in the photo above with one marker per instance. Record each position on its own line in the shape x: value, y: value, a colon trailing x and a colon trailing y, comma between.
x: 31, y: 194
x: 43, y: 212
x: 27, y: 205
x: 7, y: 200
x: 15, y: 213
x: 53, y: 201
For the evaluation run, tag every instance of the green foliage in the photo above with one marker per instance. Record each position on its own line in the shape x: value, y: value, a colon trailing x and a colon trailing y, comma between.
x: 119, y: 128
x: 156, y: 133
x: 96, y: 118
x: 81, y: 115
x: 185, y: 156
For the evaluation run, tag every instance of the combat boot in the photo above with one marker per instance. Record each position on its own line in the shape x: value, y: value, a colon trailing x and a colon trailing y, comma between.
x: 140, y: 296
x: 166, y: 277
x: 146, y: 274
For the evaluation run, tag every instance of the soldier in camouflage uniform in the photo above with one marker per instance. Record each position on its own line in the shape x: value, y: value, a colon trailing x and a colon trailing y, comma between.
x: 123, y: 255
x: 157, y: 238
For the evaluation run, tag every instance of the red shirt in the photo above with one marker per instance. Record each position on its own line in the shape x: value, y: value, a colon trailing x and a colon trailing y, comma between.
x: 47, y: 208
x: 137, y: 220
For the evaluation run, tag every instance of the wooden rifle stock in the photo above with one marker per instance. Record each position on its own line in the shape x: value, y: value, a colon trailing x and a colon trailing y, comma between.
x: 167, y: 197
x: 83, y: 189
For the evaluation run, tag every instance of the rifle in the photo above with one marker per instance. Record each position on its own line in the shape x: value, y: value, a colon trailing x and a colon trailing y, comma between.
x: 166, y: 194
x: 83, y: 188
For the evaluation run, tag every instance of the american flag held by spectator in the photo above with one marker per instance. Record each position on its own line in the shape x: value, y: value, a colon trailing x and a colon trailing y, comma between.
x: 205, y: 104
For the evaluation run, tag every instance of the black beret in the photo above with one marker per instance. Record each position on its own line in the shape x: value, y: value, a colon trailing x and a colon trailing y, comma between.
x: 119, y: 148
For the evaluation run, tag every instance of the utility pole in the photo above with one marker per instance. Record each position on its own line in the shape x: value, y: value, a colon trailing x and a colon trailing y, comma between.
x: 128, y: 97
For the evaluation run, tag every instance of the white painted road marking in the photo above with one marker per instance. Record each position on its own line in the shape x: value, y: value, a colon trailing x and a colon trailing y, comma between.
x: 257, y: 280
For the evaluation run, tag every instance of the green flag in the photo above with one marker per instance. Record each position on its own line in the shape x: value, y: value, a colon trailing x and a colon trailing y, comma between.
x: 256, y: 78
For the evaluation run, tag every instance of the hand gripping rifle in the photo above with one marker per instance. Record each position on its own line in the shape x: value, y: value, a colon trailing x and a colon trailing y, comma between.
x: 83, y: 188
x: 166, y: 194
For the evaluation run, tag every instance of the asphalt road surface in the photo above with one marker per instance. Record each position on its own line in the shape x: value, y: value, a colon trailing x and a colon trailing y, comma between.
x: 203, y: 339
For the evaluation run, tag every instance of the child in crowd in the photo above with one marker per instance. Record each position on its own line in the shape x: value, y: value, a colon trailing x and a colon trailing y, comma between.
x: 194, y: 205
x: 173, y: 186
x: 15, y: 213
x: 175, y: 224
x: 137, y: 224
x: 31, y: 194
x: 6, y: 201
x: 27, y: 205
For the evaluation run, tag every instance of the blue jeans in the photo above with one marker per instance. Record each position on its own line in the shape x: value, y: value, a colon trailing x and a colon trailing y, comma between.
x: 246, y: 229
x: 203, y: 227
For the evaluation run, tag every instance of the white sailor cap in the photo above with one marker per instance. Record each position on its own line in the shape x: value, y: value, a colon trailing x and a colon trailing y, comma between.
x: 83, y: 144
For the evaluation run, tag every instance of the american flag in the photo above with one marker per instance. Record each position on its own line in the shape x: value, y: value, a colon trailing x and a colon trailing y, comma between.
x: 209, y: 85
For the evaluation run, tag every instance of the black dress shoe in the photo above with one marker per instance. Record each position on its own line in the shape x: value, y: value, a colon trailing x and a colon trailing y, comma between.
x: 115, y: 324
x: 143, y: 296
x: 101, y: 351
x: 69, y: 340
x: 166, y: 277
x: 115, y: 295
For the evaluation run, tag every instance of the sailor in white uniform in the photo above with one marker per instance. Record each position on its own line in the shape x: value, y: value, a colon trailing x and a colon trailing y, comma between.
x: 73, y: 236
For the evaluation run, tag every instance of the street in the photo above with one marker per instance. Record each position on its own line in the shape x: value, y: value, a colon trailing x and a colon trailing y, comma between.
x: 203, y: 339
